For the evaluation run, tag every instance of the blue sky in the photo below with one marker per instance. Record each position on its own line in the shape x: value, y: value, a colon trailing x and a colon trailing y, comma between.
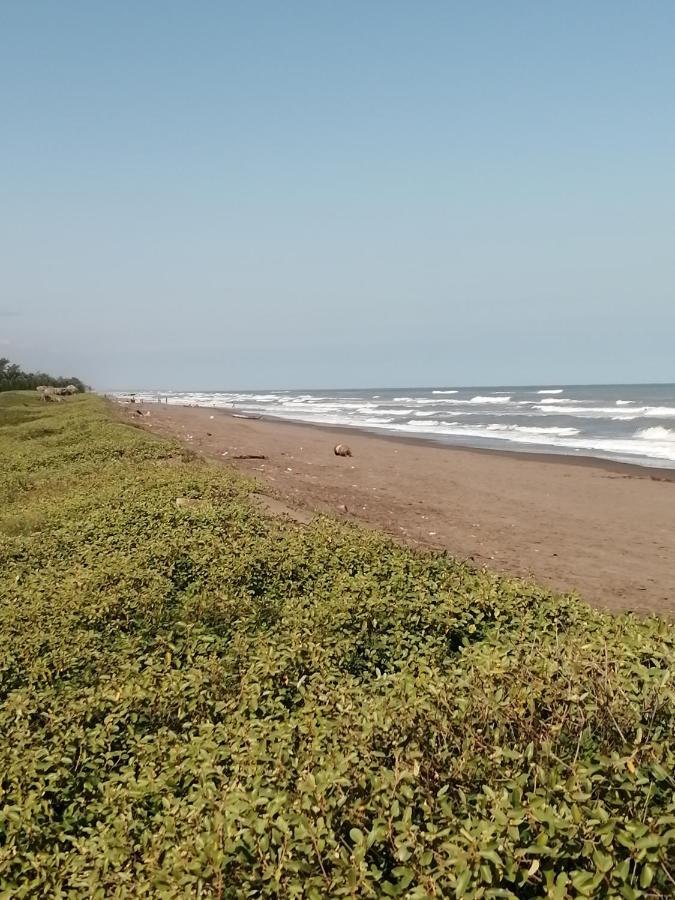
x: 232, y: 195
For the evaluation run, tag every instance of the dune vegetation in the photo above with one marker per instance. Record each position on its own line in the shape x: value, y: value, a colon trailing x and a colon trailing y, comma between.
x: 197, y: 700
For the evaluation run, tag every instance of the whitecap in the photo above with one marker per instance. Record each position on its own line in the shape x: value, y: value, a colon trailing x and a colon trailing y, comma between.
x: 656, y: 433
x: 593, y: 412
x: 659, y: 412
x: 534, y: 429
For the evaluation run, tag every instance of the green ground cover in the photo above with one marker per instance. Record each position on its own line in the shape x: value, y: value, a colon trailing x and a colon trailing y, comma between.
x: 204, y: 702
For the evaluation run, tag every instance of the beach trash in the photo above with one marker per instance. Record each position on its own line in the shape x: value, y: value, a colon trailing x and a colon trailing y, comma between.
x: 342, y: 450
x: 184, y: 502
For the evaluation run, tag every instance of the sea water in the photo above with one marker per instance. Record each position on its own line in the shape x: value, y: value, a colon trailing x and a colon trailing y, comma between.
x: 630, y: 423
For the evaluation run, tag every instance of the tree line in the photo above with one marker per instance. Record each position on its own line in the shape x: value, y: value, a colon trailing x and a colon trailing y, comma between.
x: 13, y: 378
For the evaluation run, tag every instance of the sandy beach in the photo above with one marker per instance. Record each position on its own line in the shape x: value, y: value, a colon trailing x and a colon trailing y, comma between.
x: 604, y: 529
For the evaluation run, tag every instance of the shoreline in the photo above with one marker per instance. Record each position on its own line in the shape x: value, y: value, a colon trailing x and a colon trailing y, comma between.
x: 633, y: 469
x: 603, y: 528
x: 654, y: 472
x: 627, y: 424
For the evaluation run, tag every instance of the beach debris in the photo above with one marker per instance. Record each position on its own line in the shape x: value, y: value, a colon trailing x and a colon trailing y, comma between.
x: 211, y: 417
x: 343, y: 507
x: 342, y: 450
x: 54, y: 394
x: 49, y: 389
x: 250, y: 456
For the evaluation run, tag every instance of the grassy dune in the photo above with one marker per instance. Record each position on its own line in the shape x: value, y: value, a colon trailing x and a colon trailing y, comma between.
x: 200, y: 701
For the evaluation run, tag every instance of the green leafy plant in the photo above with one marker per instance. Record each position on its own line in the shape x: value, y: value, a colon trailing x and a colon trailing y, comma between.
x: 202, y: 701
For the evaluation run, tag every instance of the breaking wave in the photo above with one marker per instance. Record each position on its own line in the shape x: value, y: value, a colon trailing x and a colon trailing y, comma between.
x: 593, y: 421
x: 656, y: 433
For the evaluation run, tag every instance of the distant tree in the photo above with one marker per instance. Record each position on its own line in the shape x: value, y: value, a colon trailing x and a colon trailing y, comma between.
x: 13, y: 378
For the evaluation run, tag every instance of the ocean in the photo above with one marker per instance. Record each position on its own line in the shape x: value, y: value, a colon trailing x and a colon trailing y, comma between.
x: 630, y: 423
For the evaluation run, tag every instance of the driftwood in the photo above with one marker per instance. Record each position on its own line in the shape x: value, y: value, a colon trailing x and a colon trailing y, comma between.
x: 250, y: 456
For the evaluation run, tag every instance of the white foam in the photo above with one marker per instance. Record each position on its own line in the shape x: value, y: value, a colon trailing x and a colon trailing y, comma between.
x: 533, y: 429
x: 656, y: 433
x: 478, y: 419
x: 387, y: 411
x: 523, y: 433
x: 629, y: 450
x: 632, y: 448
x: 593, y: 412
x: 428, y: 401
x: 604, y: 412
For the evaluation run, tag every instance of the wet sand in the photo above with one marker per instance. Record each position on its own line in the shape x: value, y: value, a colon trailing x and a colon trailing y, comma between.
x: 604, y: 529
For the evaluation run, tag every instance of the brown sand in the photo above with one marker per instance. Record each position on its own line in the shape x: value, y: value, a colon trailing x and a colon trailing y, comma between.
x: 604, y: 529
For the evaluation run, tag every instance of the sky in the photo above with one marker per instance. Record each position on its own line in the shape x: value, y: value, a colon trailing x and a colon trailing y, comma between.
x: 233, y: 195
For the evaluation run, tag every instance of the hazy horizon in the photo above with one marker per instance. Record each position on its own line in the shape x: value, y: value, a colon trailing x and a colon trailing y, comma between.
x: 249, y: 197
x: 378, y: 387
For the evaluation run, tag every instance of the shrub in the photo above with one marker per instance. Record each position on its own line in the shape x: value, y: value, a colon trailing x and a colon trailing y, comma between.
x: 203, y: 701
